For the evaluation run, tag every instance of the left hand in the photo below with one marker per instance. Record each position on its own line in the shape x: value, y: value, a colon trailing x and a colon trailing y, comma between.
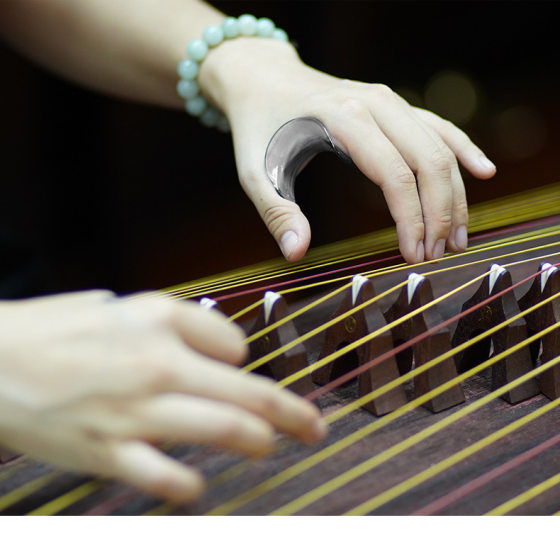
x: 409, y: 152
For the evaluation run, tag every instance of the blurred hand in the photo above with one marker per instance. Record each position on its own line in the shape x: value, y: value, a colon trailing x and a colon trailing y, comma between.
x: 410, y: 153
x: 90, y: 382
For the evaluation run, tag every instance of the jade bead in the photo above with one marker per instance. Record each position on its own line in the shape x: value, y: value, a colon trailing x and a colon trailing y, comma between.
x: 209, y: 117
x: 196, y: 106
x: 265, y: 27
x: 187, y: 69
x: 280, y: 35
x: 230, y: 27
x: 213, y: 35
x: 187, y: 89
x: 197, y: 50
x: 247, y: 25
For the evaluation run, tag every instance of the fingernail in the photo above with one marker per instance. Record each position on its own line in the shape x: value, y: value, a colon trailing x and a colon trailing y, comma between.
x: 461, y: 237
x: 288, y: 243
x: 486, y: 163
x: 439, y: 248
x: 420, y: 252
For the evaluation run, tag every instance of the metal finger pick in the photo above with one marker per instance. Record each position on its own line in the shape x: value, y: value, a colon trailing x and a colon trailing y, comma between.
x: 292, y: 146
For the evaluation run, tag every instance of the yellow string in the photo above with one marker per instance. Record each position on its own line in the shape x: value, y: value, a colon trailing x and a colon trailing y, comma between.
x: 526, y: 495
x: 407, y: 485
x: 548, y: 203
x: 27, y: 489
x: 323, y: 454
x: 374, y: 274
x: 66, y: 499
x: 70, y: 498
x: 506, y: 211
x: 494, y: 244
x: 353, y: 473
x: 351, y: 346
x: 359, y: 402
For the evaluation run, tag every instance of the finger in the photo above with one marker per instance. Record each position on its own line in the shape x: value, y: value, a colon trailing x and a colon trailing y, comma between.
x: 205, y: 331
x: 433, y: 163
x: 458, y: 238
x: 188, y: 419
x: 283, y: 218
x: 470, y: 156
x: 284, y: 410
x: 353, y: 126
x: 210, y: 333
x: 149, y: 470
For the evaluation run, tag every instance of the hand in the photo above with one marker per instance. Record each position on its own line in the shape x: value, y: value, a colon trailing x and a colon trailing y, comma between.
x: 90, y: 382
x: 409, y: 152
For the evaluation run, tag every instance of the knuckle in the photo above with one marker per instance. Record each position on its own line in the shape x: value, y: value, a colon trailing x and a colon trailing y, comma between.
x: 353, y: 108
x: 441, y: 223
x: 383, y: 91
x: 462, y: 209
x: 441, y: 161
x: 416, y: 225
x: 400, y: 175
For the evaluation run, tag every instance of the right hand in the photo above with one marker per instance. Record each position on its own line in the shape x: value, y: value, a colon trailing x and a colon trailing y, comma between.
x: 90, y: 382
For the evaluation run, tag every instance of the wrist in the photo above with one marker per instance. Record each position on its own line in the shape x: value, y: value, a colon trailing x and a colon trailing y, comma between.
x: 238, y: 66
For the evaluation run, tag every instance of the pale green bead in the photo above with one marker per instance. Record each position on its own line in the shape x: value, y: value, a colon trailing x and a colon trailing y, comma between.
x: 196, y: 106
x: 209, y: 117
x: 265, y: 27
x: 213, y: 35
x: 223, y: 124
x: 230, y: 27
x: 197, y: 50
x: 280, y: 35
x: 187, y: 69
x: 247, y: 25
x: 187, y: 89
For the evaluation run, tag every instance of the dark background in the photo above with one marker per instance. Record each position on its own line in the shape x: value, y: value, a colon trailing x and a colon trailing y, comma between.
x: 97, y: 192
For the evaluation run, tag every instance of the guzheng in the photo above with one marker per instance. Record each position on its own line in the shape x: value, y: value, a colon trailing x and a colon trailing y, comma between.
x: 440, y: 381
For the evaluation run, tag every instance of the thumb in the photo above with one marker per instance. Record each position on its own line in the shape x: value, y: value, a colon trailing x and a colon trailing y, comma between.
x: 285, y: 222
x: 283, y: 218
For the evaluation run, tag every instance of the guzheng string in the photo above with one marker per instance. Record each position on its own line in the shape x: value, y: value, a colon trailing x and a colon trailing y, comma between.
x: 307, y: 370
x: 343, y: 443
x: 79, y: 491
x: 251, y: 281
x: 76, y: 491
x: 385, y: 497
x: 525, y: 496
x: 315, y: 459
x: 373, y: 274
x: 534, y: 204
x: 389, y: 387
x: 484, y: 479
x: 63, y: 501
x: 474, y: 371
x: 433, y: 362
x: 387, y: 270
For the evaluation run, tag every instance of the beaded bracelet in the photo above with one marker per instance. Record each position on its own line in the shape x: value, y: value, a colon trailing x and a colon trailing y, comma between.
x: 245, y: 26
